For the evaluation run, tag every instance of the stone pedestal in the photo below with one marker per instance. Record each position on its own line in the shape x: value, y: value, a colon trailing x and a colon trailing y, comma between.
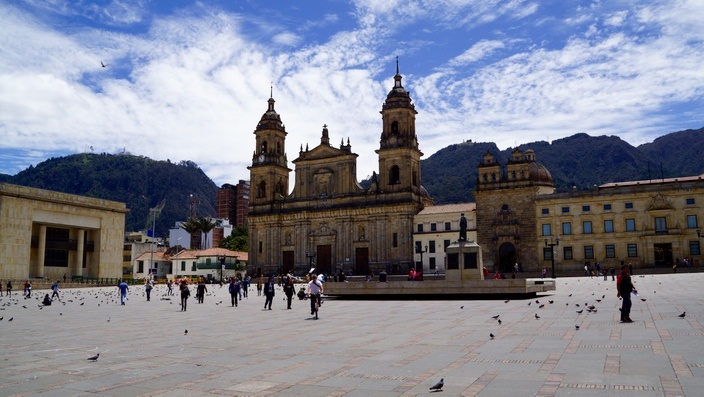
x: 464, y: 261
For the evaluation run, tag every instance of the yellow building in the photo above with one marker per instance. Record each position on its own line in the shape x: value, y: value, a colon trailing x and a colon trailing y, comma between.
x: 436, y: 227
x: 644, y: 223
x: 47, y: 234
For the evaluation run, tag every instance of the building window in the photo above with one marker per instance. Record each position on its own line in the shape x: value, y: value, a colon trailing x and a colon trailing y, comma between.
x: 394, y: 175
x: 588, y: 252
x: 587, y: 227
x: 630, y: 225
x: 446, y: 244
x: 610, y: 251
x: 394, y: 240
x: 692, y: 222
x: 547, y: 229
x: 660, y: 225
x: 586, y: 208
x: 448, y: 226
x: 565, y: 209
x: 140, y: 266
x: 567, y: 253
x: 194, y: 267
x: 632, y: 250
x: 433, y: 227
x: 629, y: 205
x: 419, y: 247
x: 420, y: 228
x: 608, y: 226
x: 545, y: 211
x: 183, y: 266
x: 694, y: 248
x: 566, y: 228
x: 547, y: 253
x: 431, y: 263
x: 261, y: 247
x: 431, y: 246
x: 607, y: 207
x: 690, y: 201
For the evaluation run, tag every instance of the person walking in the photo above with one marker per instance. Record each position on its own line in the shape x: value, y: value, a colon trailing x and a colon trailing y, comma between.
x: 123, y: 292
x: 148, y: 288
x: 245, y: 286
x: 8, y: 288
x: 316, y: 290
x: 200, y: 291
x: 234, y: 290
x: 185, y: 293
x: 170, y: 285
x: 29, y: 289
x: 624, y: 286
x: 269, y: 292
x: 259, y: 285
x: 289, y: 291
x: 55, y: 291
x: 613, y: 273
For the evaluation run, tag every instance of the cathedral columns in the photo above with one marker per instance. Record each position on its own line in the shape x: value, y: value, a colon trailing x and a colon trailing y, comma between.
x: 41, y: 251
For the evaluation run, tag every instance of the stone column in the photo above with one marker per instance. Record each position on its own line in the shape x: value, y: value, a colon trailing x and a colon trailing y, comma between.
x: 78, y: 264
x: 41, y: 251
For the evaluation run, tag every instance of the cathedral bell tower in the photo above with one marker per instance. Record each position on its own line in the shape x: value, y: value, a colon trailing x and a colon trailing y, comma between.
x: 269, y: 171
x: 399, y: 157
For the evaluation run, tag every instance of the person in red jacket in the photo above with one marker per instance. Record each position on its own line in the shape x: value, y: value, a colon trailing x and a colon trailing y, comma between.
x: 624, y: 286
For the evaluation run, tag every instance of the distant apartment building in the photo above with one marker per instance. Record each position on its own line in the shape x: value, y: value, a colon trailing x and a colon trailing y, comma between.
x: 233, y: 203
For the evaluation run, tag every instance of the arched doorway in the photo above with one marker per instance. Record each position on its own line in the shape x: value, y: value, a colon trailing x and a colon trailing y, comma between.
x: 507, y: 257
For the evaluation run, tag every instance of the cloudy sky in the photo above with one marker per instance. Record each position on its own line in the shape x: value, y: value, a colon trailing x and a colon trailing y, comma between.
x: 188, y: 80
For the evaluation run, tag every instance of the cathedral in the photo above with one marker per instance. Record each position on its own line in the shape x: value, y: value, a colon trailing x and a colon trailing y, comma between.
x: 329, y: 221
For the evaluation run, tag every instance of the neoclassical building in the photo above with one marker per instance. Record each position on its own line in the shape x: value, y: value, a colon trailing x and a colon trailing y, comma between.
x: 328, y: 221
x: 520, y: 219
x: 47, y: 234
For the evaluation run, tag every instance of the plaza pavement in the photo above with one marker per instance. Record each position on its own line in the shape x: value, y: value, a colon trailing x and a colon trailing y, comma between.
x: 358, y: 348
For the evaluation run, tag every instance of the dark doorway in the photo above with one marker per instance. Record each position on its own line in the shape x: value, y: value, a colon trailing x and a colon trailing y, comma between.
x: 288, y: 262
x: 361, y: 261
x: 663, y: 254
x: 507, y: 257
x: 323, y: 262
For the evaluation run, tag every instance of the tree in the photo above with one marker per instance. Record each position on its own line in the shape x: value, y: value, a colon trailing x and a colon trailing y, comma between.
x: 206, y: 225
x: 238, y: 240
x: 191, y: 226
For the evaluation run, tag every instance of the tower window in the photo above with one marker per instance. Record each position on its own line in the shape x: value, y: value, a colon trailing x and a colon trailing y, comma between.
x: 264, y: 147
x: 261, y: 191
x: 394, y: 175
x: 394, y: 128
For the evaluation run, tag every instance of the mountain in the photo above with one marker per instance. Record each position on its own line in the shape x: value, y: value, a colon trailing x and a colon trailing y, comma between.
x: 576, y: 162
x: 140, y: 182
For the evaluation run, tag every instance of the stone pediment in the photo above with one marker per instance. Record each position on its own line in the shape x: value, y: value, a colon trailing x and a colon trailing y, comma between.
x: 321, y: 152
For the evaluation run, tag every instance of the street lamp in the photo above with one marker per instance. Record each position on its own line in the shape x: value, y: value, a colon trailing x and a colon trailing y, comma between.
x: 310, y: 256
x: 699, y: 233
x: 222, y: 265
x: 419, y: 251
x: 552, y: 245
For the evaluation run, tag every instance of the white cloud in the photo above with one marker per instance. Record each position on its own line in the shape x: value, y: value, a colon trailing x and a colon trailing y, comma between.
x: 477, y: 52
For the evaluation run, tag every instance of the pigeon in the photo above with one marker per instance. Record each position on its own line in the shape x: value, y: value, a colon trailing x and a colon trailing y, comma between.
x: 94, y: 358
x: 603, y: 296
x: 529, y: 303
x: 499, y: 321
x: 506, y: 301
x: 537, y: 301
x: 185, y: 332
x: 496, y: 316
x: 13, y: 317
x: 580, y: 311
x: 576, y: 327
x: 2, y: 318
x: 103, y: 64
x: 551, y: 302
x: 680, y: 316
x: 438, y: 386
x: 576, y: 304
x: 541, y: 306
x: 461, y: 307
x: 643, y: 299
x: 598, y: 300
x: 569, y: 295
x: 491, y: 335
x: 537, y: 316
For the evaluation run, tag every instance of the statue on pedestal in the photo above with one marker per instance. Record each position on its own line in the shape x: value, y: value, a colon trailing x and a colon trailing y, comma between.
x: 463, y: 228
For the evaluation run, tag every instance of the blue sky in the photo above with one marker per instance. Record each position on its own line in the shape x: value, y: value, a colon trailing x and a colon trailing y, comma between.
x: 189, y: 80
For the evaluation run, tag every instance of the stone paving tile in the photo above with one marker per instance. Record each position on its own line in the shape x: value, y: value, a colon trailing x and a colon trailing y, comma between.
x: 359, y: 348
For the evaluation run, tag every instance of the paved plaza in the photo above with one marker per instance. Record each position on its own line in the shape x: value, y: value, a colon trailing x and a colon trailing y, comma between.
x: 358, y: 348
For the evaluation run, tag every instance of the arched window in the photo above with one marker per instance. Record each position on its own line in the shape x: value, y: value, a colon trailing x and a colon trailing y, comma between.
x: 261, y: 191
x: 278, y: 148
x: 263, y: 147
x: 394, y: 128
x: 394, y: 175
x: 280, y: 188
x: 493, y: 177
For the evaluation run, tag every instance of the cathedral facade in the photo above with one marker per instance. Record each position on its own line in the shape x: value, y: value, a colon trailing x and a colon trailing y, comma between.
x: 329, y: 221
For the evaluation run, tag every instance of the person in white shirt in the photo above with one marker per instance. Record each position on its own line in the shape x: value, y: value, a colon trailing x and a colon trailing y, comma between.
x: 316, y: 289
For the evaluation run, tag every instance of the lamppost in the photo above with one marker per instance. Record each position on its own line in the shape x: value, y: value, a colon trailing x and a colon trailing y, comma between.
x: 419, y: 251
x: 222, y: 258
x: 699, y: 233
x: 310, y: 256
x: 552, y: 245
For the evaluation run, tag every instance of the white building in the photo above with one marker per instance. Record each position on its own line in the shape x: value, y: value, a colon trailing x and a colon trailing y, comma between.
x: 435, y: 227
